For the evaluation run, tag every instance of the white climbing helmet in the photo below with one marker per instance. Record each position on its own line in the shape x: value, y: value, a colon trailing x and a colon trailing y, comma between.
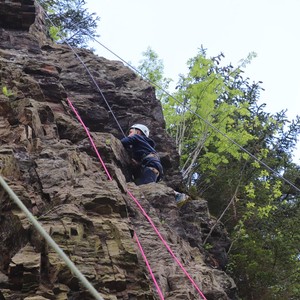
x: 144, y: 129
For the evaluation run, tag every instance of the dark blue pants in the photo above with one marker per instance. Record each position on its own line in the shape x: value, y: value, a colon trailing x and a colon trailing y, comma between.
x: 147, y: 176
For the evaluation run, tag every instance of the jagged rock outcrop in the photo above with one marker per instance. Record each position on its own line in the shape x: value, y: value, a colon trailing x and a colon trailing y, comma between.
x: 17, y: 14
x: 47, y: 159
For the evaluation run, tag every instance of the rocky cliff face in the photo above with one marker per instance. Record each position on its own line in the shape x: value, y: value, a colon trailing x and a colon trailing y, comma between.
x: 47, y: 159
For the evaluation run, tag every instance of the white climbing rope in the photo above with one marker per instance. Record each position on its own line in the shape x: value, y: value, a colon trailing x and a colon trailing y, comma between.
x: 49, y: 240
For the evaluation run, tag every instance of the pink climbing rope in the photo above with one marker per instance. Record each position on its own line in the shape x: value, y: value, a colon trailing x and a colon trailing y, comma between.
x: 166, y: 245
x: 161, y: 296
x: 90, y: 137
x: 138, y: 204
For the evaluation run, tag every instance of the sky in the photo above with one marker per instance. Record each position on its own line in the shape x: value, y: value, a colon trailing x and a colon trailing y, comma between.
x: 176, y: 29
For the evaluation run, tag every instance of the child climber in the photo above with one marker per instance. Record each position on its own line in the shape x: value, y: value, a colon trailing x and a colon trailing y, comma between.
x: 144, y: 155
x: 145, y: 159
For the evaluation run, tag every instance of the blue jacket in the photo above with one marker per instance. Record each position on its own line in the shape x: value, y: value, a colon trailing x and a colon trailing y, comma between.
x: 140, y: 146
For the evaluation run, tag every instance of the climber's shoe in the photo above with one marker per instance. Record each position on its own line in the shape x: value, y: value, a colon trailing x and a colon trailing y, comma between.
x: 181, y: 198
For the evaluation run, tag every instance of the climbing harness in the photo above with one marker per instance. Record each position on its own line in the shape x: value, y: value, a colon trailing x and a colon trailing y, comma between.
x: 154, y: 170
x: 152, y: 154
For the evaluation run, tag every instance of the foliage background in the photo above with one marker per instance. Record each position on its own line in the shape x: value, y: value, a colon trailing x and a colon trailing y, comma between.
x: 216, y: 122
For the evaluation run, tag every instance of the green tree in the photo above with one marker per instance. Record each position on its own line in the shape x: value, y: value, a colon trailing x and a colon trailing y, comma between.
x: 70, y: 21
x: 152, y: 69
x: 198, y: 112
x: 216, y: 122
